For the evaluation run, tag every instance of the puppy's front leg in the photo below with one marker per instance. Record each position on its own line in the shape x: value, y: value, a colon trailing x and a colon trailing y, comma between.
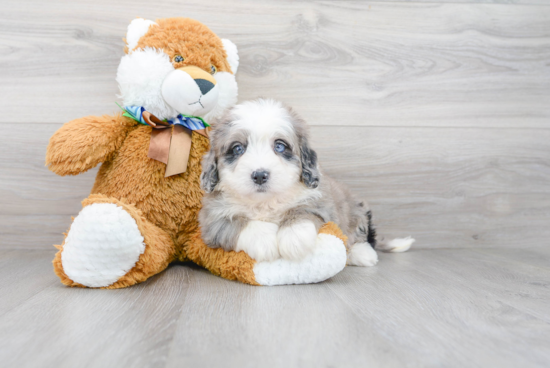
x: 259, y: 240
x: 221, y: 232
x: 298, y: 234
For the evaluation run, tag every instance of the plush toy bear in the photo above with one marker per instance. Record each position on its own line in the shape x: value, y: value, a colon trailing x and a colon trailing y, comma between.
x: 141, y: 215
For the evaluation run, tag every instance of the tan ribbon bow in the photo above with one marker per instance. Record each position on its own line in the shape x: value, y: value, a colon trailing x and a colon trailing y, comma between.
x: 170, y: 144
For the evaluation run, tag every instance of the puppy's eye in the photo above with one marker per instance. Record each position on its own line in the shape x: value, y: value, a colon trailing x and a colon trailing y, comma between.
x: 238, y: 149
x: 213, y: 69
x: 280, y: 146
x: 178, y: 59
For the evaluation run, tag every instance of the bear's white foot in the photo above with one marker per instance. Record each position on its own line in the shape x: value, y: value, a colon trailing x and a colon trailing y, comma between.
x: 327, y: 258
x: 103, y: 244
x: 362, y: 254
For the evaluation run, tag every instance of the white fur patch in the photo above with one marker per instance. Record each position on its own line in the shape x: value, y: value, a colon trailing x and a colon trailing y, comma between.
x: 259, y: 240
x: 297, y: 241
x: 263, y: 118
x: 137, y: 29
x: 232, y: 54
x: 362, y: 254
x: 397, y: 245
x: 103, y: 244
x: 140, y: 76
x: 328, y: 258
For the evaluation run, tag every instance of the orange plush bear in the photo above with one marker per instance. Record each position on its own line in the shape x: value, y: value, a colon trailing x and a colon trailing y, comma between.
x: 141, y: 215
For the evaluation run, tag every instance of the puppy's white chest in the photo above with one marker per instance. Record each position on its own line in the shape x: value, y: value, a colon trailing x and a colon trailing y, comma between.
x: 269, y: 213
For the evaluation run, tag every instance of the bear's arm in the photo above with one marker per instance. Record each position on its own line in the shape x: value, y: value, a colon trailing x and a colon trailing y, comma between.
x: 83, y: 143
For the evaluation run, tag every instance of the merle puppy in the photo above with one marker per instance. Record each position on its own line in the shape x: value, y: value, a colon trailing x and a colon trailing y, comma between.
x: 266, y: 195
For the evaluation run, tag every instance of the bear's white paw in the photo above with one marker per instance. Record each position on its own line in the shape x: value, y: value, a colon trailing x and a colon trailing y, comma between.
x: 362, y: 254
x: 297, y: 240
x: 259, y: 240
x: 103, y: 244
x: 326, y: 260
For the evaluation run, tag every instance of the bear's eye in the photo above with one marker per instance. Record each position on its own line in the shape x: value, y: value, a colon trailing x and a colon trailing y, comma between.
x: 178, y: 59
x: 213, y: 69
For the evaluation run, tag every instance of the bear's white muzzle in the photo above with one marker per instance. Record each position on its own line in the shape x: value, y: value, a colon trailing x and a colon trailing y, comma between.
x: 190, y: 91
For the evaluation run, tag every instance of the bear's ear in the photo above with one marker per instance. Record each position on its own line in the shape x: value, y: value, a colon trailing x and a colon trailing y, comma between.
x: 232, y: 54
x: 137, y: 28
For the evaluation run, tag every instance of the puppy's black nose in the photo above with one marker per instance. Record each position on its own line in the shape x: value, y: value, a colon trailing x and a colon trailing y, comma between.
x: 204, y: 85
x: 260, y: 177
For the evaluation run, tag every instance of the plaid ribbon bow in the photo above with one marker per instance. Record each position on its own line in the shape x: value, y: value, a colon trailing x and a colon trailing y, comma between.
x: 188, y: 121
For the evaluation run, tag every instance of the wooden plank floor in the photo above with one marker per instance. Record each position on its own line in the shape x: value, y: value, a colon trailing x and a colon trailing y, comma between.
x: 425, y: 308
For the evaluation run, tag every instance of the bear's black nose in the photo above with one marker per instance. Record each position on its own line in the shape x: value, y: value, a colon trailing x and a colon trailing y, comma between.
x: 204, y: 85
x: 260, y: 177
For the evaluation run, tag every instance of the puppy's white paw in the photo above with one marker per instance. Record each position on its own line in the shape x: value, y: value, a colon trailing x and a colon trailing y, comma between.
x: 362, y: 254
x: 297, y: 240
x: 259, y: 240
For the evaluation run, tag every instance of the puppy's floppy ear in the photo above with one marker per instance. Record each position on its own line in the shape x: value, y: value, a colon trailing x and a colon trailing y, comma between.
x: 310, y: 170
x: 209, y: 176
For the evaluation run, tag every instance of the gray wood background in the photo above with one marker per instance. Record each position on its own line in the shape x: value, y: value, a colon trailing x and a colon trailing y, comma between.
x: 438, y: 112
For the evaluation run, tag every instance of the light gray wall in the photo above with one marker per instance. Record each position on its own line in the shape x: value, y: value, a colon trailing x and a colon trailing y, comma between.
x: 438, y: 113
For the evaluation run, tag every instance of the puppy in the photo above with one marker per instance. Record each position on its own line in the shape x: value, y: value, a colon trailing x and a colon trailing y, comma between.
x: 266, y: 195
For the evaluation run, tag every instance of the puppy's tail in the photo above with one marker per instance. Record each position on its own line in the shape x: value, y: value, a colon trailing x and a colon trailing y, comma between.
x: 397, y: 245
